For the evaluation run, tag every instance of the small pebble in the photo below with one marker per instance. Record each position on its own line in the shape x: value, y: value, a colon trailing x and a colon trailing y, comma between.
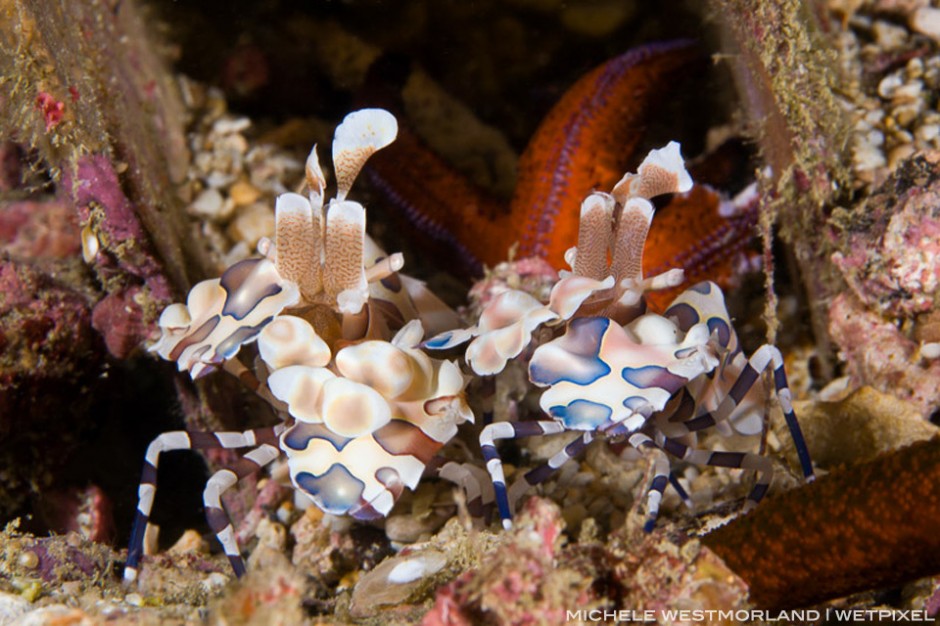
x: 28, y: 559
x: 899, y: 154
x: 12, y: 607
x: 930, y: 350
x: 228, y: 125
x: 888, y: 35
x: 207, y: 204
x: 889, y: 85
x: 252, y: 223
x: 407, y: 572
x: 243, y: 193
x: 215, y: 580
x: 189, y: 542
x: 926, y: 21
x: 134, y: 599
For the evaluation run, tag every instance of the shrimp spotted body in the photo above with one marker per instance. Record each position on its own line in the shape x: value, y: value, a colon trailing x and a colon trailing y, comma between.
x: 338, y: 333
x: 612, y: 369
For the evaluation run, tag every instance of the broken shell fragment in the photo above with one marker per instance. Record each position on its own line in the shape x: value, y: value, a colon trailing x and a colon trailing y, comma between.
x: 90, y: 244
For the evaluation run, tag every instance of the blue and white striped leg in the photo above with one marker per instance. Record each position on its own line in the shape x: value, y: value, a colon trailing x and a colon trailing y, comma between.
x: 218, y: 483
x: 683, y: 494
x: 509, y: 430
x: 648, y: 447
x: 679, y: 421
x: 620, y: 430
x: 541, y: 473
x: 740, y: 460
x: 180, y: 440
x: 765, y: 357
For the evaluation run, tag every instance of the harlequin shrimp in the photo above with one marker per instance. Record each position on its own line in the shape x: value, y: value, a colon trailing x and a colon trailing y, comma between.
x: 338, y: 332
x: 614, y: 370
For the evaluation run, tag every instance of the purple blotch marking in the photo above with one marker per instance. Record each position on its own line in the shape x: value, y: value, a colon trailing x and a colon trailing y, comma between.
x: 300, y: 434
x: 723, y: 330
x: 336, y: 491
x: 229, y: 347
x: 651, y: 376
x: 582, y: 414
x: 685, y: 315
x: 582, y: 343
x: 237, y: 304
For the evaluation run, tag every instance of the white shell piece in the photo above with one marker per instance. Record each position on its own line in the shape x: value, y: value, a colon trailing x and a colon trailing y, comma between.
x: 301, y: 388
x: 90, y: 244
x: 290, y: 340
x: 352, y: 409
x: 930, y: 350
x: 417, y: 566
x: 356, y: 139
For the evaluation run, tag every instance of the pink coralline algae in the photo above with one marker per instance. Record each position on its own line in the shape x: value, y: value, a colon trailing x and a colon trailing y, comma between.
x: 44, y: 325
x: 877, y: 353
x: 87, y: 511
x: 39, y: 230
x: 52, y: 110
x: 522, y: 583
x: 127, y: 256
x: 534, y: 578
x: 891, y: 256
x: 120, y: 320
x: 886, y: 325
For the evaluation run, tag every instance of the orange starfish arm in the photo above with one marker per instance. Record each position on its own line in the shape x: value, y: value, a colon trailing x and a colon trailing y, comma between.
x: 691, y: 233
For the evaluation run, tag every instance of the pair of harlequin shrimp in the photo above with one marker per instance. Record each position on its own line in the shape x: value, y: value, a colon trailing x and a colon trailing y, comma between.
x: 340, y: 337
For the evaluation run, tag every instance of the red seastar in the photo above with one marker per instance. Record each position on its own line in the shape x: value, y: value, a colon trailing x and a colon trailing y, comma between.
x: 585, y: 142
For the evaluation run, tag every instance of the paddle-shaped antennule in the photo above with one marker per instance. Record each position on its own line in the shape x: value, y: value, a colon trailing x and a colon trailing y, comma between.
x: 360, y: 135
